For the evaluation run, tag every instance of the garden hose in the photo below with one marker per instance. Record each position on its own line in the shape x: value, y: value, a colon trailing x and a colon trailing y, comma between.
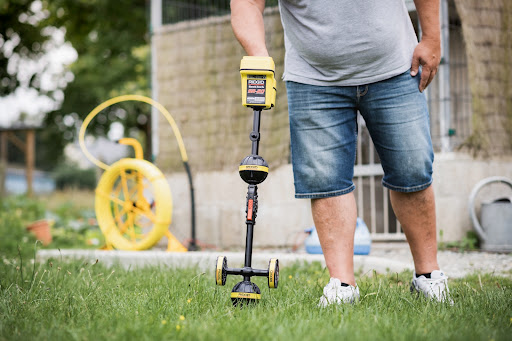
x: 125, y: 98
x: 133, y: 202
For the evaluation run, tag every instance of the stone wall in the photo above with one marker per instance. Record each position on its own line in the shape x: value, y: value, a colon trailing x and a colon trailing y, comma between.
x: 199, y: 83
x: 487, y: 30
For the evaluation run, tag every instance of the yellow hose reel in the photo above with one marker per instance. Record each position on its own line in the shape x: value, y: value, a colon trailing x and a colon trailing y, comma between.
x: 133, y: 202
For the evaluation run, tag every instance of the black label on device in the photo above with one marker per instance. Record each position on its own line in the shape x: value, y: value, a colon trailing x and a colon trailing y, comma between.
x: 256, y: 91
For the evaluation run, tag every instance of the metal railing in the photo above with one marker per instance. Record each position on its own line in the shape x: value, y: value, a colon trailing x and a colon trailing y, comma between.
x: 458, y: 127
x: 449, y: 94
x: 174, y: 11
x: 372, y: 198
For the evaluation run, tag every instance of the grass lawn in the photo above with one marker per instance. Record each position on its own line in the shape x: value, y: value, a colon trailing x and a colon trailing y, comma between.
x: 80, y: 301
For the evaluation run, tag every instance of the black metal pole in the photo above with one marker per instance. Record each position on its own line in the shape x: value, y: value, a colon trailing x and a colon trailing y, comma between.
x: 248, y: 248
x: 252, y: 211
x: 192, y: 246
x: 252, y: 196
x: 255, y: 134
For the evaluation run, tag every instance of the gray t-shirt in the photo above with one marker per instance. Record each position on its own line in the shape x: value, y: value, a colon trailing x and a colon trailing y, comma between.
x: 346, y: 42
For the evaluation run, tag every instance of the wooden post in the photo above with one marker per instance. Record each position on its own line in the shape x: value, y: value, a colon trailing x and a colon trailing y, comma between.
x: 30, y: 144
x: 3, y: 151
x: 27, y: 147
x: 3, y: 162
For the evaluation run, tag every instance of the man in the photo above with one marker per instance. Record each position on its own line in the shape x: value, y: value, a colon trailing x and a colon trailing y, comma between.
x: 342, y: 57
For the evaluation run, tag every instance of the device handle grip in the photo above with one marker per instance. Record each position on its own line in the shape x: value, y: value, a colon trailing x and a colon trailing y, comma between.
x: 258, y: 82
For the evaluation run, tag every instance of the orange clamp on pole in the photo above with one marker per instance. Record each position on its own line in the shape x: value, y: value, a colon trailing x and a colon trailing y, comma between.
x: 249, y: 209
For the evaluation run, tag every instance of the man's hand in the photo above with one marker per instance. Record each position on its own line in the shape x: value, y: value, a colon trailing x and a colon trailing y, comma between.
x: 427, y: 54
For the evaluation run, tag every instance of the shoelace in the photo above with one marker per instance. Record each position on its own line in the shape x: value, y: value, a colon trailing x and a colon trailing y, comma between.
x: 333, y: 290
x: 330, y: 288
x: 438, y: 287
x: 331, y: 285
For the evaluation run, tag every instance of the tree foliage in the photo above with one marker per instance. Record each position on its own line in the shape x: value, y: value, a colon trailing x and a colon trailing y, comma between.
x: 111, y: 40
x: 20, y: 37
x: 107, y: 36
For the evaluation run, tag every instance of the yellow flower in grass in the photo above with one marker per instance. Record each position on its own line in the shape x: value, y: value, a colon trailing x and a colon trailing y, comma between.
x: 189, y: 300
x: 290, y: 277
x: 178, y: 327
x: 182, y: 318
x: 164, y: 322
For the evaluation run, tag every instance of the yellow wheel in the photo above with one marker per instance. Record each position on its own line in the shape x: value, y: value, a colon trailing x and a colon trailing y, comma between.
x: 133, y: 204
x: 273, y: 273
x: 220, y: 270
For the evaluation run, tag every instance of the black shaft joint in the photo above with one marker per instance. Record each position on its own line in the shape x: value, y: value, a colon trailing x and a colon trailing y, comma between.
x: 254, y: 136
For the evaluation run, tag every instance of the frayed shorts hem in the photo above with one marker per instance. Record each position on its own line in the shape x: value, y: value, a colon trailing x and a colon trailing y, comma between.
x: 407, y: 189
x: 325, y: 194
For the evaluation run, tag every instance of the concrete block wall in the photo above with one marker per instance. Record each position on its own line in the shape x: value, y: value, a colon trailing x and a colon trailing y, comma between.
x: 221, y: 209
x: 199, y: 83
x: 487, y: 30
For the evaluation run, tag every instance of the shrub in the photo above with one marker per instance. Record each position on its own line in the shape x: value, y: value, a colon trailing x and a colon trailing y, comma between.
x: 23, y: 207
x: 15, y: 213
x: 71, y: 176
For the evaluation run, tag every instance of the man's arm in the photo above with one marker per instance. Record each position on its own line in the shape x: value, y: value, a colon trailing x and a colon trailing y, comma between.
x: 247, y: 23
x: 428, y: 52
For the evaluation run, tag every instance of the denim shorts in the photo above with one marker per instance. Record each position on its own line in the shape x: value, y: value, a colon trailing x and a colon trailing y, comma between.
x: 323, y: 129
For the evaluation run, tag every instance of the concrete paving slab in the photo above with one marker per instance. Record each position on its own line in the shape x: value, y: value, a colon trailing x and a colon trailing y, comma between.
x: 384, y: 257
x: 205, y: 261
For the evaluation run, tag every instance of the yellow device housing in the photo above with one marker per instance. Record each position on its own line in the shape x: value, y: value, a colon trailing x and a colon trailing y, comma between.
x: 258, y: 82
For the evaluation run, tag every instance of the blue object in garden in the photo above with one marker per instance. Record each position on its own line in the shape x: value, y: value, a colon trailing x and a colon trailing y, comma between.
x: 362, y: 240
x: 16, y: 182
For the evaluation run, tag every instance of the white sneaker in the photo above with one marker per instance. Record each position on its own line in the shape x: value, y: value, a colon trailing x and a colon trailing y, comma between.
x: 335, y: 293
x: 434, y: 288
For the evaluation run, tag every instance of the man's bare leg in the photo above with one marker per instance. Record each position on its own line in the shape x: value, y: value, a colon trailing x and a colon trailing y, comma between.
x: 335, y: 222
x: 417, y: 213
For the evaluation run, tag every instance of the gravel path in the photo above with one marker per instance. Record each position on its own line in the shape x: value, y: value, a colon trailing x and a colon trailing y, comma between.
x: 454, y: 264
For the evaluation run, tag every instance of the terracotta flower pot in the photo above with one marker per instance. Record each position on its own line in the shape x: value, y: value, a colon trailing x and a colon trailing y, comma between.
x: 41, y: 229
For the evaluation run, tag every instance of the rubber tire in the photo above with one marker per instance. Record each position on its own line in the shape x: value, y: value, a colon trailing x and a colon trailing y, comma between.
x: 220, y: 270
x: 273, y: 273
